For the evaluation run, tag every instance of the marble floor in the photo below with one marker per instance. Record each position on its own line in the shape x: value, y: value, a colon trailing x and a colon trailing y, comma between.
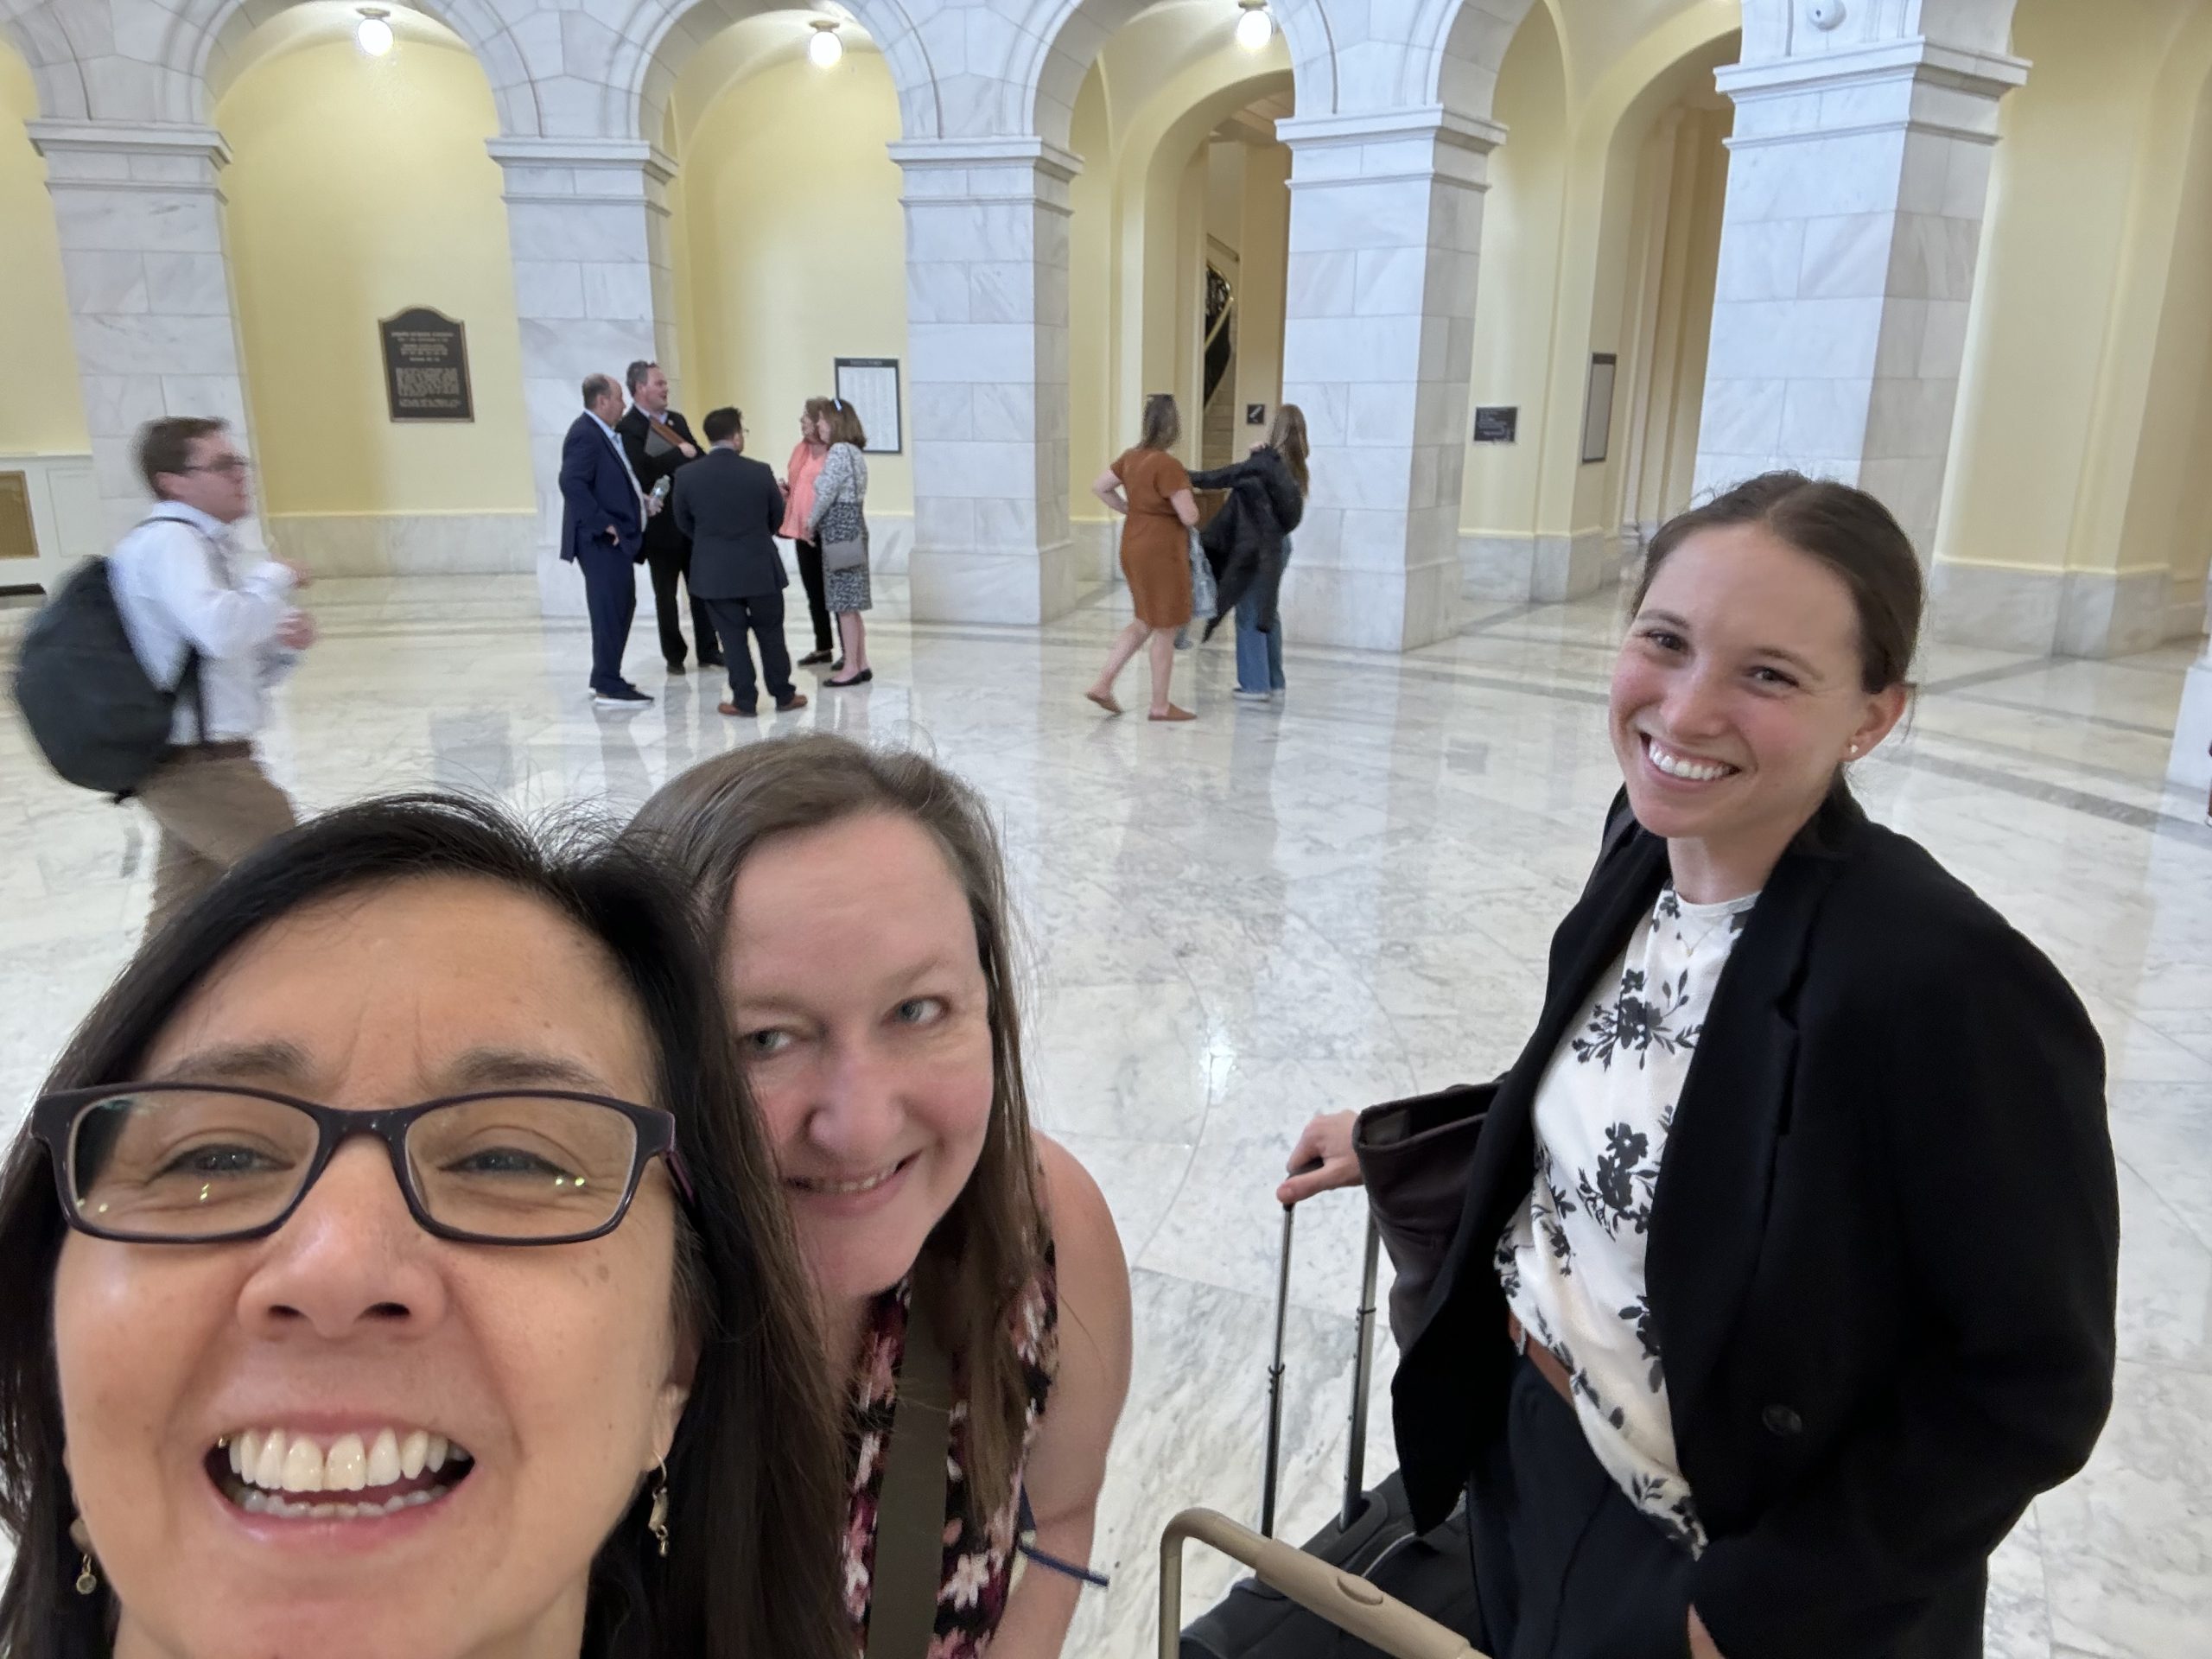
x: 1273, y: 911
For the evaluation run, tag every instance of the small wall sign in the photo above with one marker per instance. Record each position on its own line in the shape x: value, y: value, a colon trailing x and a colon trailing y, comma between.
x: 1255, y: 414
x: 426, y: 366
x: 1598, y: 412
x: 1497, y: 423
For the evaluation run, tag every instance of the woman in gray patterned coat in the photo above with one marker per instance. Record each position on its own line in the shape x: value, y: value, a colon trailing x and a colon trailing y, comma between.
x: 840, y: 514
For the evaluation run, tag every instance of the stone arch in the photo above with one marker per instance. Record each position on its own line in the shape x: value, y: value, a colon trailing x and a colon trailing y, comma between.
x: 82, y: 75
x: 1779, y: 29
x: 1452, y: 56
x: 660, y: 36
x: 1055, y: 42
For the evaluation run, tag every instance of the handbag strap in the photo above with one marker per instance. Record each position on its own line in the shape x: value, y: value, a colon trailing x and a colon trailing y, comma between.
x: 910, y: 1515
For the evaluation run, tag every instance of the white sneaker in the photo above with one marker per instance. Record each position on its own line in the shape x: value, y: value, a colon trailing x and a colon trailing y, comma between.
x: 1242, y: 695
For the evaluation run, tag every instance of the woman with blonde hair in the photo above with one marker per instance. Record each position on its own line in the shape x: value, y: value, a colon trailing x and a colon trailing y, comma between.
x: 800, y: 473
x: 1149, y: 489
x: 839, y: 515
x: 1248, y: 543
x: 959, y: 1259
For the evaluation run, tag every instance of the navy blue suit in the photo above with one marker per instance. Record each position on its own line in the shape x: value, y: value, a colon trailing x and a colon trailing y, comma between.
x: 597, y: 496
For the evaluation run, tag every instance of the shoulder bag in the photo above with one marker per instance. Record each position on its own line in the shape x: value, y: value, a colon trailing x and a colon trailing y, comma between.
x: 910, y: 1515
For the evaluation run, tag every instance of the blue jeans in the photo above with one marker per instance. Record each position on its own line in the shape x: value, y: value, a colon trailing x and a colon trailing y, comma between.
x: 1259, y: 656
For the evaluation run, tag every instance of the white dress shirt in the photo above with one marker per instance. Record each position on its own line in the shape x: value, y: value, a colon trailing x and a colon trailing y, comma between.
x: 622, y: 456
x: 167, y: 590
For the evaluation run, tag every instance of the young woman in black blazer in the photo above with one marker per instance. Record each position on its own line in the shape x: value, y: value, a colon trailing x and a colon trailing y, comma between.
x: 1825, y: 1321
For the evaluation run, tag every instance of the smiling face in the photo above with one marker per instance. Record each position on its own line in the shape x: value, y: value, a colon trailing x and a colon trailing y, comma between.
x: 1738, y: 694
x: 863, y: 1014
x: 551, y: 1377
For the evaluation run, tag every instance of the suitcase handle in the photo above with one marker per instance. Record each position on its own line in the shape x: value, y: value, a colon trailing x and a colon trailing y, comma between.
x: 1349, y: 1603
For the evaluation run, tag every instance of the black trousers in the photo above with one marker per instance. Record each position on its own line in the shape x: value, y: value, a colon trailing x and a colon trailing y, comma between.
x: 667, y: 562
x: 764, y: 615
x: 1566, y: 1567
x: 817, y: 606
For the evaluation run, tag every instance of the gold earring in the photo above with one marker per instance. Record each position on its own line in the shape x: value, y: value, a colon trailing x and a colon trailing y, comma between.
x: 87, y: 1580
x: 656, y: 1519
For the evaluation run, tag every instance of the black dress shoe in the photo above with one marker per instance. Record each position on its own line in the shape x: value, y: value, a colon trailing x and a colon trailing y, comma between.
x: 820, y: 655
x: 715, y: 661
x: 860, y: 678
x: 676, y: 668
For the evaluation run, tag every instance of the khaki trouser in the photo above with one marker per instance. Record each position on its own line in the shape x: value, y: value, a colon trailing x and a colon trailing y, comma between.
x: 214, y: 805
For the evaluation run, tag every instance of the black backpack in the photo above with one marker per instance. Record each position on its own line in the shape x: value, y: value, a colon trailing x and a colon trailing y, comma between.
x: 100, y: 718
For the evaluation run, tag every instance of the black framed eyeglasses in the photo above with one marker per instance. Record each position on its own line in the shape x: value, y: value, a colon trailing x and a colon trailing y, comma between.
x: 189, y: 1163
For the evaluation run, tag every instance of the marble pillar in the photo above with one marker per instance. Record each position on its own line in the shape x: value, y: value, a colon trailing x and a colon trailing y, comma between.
x: 595, y: 290
x: 1857, y: 181
x: 1386, y: 216
x: 139, y: 211
x: 987, y: 378
x: 2190, y: 763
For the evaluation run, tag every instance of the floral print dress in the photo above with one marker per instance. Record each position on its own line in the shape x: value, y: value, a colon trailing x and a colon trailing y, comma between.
x: 979, y: 1550
x: 1571, y: 1264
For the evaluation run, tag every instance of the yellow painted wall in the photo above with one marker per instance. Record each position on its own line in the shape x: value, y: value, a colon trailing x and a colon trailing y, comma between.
x: 1518, y: 278
x: 45, y: 413
x: 797, y: 245
x: 1265, y: 245
x: 360, y: 187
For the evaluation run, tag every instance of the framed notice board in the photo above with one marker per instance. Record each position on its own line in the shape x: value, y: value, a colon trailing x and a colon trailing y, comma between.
x: 426, y: 366
x: 870, y: 384
x: 1598, y: 412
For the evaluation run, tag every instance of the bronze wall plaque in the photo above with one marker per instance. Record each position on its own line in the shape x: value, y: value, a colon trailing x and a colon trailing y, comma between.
x: 18, y: 539
x: 426, y: 366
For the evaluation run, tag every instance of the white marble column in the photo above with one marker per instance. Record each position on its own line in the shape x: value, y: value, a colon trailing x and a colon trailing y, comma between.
x: 1856, y: 182
x: 987, y: 378
x: 587, y: 224
x: 140, y: 216
x: 1386, y: 215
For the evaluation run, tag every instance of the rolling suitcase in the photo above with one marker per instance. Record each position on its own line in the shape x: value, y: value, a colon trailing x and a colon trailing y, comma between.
x: 1369, y: 1557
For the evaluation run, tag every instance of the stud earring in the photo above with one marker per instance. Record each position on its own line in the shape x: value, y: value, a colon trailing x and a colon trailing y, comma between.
x: 656, y: 1518
x: 87, y: 1580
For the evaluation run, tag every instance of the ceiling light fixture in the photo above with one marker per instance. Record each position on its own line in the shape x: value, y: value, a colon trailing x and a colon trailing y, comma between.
x: 372, y: 34
x: 1255, y: 28
x: 825, y: 48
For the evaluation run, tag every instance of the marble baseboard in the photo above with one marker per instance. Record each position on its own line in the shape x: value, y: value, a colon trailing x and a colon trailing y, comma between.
x: 957, y: 585
x: 406, y: 544
x: 561, y: 590
x: 2056, y: 613
x: 2190, y: 763
x: 1544, y: 567
x: 1370, y: 610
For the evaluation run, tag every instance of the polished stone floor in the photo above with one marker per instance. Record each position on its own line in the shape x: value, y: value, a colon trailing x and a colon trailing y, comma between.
x: 1273, y: 911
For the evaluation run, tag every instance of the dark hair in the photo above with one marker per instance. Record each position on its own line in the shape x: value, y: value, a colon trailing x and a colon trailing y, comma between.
x: 1163, y: 423
x: 752, y: 1473
x: 845, y: 424
x: 990, y: 1244
x: 722, y: 424
x: 634, y: 376
x: 596, y: 386
x: 1287, y: 439
x: 165, y: 445
x: 1847, y: 530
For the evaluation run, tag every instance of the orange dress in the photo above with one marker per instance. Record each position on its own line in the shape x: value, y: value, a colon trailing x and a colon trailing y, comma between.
x: 1155, y: 548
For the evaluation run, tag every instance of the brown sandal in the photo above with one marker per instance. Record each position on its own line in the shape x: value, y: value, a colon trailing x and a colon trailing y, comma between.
x: 1104, y: 702
x: 1173, y: 713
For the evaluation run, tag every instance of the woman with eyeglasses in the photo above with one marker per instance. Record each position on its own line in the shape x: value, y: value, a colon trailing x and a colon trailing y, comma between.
x: 386, y: 1274
x: 865, y: 954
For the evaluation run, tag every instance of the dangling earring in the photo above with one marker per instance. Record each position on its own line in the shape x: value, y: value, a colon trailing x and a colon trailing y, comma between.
x: 87, y: 1580
x: 656, y: 1519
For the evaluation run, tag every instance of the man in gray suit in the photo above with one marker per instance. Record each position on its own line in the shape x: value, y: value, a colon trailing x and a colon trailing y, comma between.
x: 731, y: 506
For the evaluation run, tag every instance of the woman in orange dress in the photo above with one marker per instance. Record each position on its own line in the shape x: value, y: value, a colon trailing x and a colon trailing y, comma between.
x: 1150, y: 489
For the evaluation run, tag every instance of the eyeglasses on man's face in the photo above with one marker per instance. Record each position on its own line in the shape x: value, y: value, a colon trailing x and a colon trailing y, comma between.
x: 186, y: 1163
x: 227, y: 465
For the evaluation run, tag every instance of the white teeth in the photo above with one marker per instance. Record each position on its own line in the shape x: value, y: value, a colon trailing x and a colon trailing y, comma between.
x: 1675, y: 766
x: 268, y: 1471
x: 302, y: 1466
x: 866, y: 1184
x: 434, y: 1455
x: 344, y: 1466
x: 384, y: 1460
x: 414, y: 1452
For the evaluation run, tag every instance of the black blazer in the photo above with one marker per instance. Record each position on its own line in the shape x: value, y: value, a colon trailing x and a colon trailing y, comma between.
x: 731, y: 506
x: 1883, y: 1256
x: 663, y: 535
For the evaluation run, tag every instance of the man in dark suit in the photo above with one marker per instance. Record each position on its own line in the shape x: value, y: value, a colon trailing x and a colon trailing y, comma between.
x: 657, y: 442
x: 602, y: 524
x: 731, y: 506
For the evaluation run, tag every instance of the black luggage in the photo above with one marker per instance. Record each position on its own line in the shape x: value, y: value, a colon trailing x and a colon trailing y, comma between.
x: 1372, y: 1537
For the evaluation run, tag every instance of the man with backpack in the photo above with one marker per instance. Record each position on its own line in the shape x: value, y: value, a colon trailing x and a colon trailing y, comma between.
x: 205, y: 619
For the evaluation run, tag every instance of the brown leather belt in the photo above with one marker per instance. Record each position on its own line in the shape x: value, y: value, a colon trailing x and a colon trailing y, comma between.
x: 1542, y: 1358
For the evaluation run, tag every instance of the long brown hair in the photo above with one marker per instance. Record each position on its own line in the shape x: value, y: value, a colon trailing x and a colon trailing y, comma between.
x: 752, y: 1473
x: 1163, y: 423
x: 845, y: 423
x: 1287, y: 439
x: 988, y: 1247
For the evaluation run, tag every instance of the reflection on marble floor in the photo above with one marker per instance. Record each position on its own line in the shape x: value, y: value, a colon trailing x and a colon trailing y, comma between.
x: 1276, y: 911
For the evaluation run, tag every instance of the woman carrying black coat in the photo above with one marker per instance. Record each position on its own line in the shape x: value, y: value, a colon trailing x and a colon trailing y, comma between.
x: 1786, y: 1273
x: 1248, y: 544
